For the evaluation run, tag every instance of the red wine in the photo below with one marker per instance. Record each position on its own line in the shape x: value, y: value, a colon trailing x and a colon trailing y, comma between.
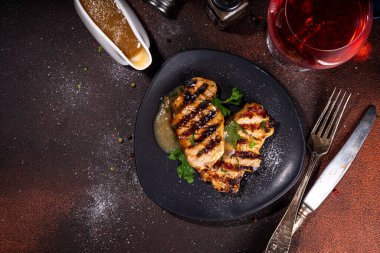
x: 319, y: 34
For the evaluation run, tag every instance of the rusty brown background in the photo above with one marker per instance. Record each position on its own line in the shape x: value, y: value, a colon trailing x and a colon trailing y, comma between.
x: 66, y: 185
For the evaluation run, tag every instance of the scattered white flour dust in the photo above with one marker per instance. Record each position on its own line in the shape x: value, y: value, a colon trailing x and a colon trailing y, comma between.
x: 112, y: 195
x: 104, y: 205
x: 120, y: 74
x: 169, y: 29
x: 67, y: 92
x: 115, y: 197
x: 273, y: 157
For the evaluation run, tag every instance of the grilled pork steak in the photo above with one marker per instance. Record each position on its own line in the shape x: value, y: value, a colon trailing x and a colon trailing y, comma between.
x: 198, y: 123
x: 254, y: 126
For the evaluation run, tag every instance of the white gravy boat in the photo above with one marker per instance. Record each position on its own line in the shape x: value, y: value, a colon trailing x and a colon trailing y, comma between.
x: 108, y: 45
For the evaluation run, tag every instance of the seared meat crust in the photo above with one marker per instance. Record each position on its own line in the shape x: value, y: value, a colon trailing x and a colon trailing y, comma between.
x: 227, y: 173
x: 199, y: 125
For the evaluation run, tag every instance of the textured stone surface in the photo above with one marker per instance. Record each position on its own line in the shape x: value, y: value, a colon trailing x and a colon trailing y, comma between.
x: 67, y: 185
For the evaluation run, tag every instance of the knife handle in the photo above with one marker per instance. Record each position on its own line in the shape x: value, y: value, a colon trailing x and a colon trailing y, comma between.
x: 301, y: 216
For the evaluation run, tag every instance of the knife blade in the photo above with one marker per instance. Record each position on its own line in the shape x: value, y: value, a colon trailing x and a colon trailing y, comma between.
x: 336, y: 169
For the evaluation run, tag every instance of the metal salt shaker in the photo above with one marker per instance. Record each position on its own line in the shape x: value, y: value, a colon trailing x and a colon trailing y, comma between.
x: 164, y: 6
x: 224, y: 13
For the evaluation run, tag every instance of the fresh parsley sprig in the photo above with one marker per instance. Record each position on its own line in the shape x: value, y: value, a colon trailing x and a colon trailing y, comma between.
x: 232, y: 136
x: 184, y: 170
x: 236, y: 98
x: 218, y: 104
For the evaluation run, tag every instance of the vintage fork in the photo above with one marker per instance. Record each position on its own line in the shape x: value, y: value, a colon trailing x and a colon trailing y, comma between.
x: 319, y: 143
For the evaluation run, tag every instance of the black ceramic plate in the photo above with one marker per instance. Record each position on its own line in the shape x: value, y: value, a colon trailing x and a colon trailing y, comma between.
x: 282, y: 153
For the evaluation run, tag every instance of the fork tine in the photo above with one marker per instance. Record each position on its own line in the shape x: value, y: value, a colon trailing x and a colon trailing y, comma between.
x: 332, y: 135
x: 323, y: 113
x: 327, y: 117
x: 332, y: 120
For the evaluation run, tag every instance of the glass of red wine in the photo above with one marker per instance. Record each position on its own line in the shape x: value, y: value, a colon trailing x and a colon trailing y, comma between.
x: 317, y: 34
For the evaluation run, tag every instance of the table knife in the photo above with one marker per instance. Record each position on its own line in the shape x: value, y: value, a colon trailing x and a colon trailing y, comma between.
x: 336, y: 169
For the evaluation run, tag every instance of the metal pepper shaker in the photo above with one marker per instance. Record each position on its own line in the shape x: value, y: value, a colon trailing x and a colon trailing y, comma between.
x: 224, y: 13
x: 164, y: 6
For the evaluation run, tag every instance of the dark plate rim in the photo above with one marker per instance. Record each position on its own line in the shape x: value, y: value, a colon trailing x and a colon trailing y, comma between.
x: 254, y: 210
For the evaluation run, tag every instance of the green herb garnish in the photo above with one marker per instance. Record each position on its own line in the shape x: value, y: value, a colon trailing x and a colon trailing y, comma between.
x: 192, y: 139
x: 223, y: 170
x: 79, y: 86
x: 232, y: 130
x: 236, y: 97
x: 218, y: 104
x: 252, y: 144
x: 100, y: 49
x: 184, y: 170
x: 263, y: 124
x: 176, y: 91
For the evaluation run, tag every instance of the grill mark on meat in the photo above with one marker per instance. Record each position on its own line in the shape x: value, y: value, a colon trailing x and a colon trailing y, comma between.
x: 246, y: 168
x: 186, y: 118
x: 219, y: 163
x: 242, y: 141
x: 201, y: 89
x: 207, y: 132
x: 233, y: 167
x: 251, y: 127
x: 190, y: 83
x: 228, y: 166
x: 246, y: 154
x: 200, y: 123
x: 210, y: 146
x: 268, y: 125
x: 190, y: 97
x: 254, y: 110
